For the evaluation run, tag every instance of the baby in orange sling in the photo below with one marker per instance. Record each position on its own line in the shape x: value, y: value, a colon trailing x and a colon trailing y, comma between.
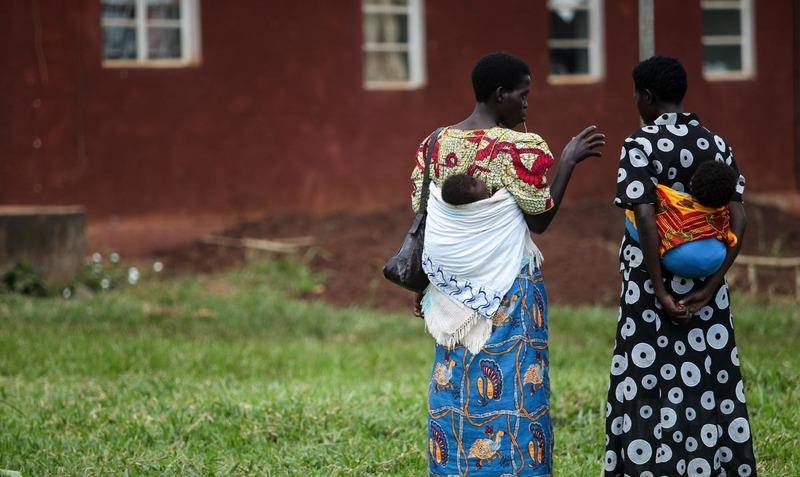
x: 694, y: 230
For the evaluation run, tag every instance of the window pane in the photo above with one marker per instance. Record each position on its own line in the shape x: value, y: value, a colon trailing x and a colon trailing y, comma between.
x: 401, y: 3
x: 380, y: 28
x: 386, y: 66
x: 567, y: 4
x: 720, y: 59
x: 722, y: 22
x: 164, y: 9
x: 574, y: 25
x: 569, y: 61
x: 118, y: 9
x: 163, y: 43
x: 119, y: 43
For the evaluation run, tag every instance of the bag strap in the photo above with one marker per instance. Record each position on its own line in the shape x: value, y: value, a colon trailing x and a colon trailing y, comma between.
x: 426, y: 179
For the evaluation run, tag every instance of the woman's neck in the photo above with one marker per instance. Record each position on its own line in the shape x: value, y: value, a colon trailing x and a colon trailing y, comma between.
x: 669, y: 108
x: 482, y: 117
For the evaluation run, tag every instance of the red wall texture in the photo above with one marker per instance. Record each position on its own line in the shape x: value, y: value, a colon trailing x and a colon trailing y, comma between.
x: 276, y: 118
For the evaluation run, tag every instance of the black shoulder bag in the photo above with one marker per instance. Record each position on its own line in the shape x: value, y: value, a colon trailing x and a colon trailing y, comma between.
x: 405, y: 268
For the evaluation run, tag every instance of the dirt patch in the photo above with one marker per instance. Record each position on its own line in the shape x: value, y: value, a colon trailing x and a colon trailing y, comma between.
x: 580, y: 251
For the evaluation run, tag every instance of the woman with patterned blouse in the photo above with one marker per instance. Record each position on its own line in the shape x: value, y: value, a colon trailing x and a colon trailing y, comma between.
x: 676, y: 401
x: 489, y: 388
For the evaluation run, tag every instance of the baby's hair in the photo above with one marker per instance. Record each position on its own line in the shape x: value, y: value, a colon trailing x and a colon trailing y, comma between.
x: 460, y: 189
x: 713, y: 184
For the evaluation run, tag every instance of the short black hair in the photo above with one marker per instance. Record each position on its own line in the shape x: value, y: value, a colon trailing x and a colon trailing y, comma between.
x: 713, y: 184
x: 460, y: 189
x: 497, y: 70
x: 665, y: 77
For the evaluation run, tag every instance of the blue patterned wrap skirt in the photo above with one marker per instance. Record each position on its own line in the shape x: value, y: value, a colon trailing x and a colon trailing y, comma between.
x: 489, y: 413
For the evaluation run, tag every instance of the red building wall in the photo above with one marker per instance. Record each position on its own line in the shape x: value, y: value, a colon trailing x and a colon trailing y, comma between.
x: 276, y: 118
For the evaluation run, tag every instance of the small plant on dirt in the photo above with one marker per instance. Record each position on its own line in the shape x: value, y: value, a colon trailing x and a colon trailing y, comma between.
x: 99, y: 275
x: 25, y: 278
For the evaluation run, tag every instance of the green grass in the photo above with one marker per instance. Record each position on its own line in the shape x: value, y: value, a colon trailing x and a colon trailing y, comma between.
x: 226, y: 376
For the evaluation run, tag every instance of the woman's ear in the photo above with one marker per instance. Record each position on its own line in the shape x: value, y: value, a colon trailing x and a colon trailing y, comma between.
x: 648, y: 97
x: 499, y: 95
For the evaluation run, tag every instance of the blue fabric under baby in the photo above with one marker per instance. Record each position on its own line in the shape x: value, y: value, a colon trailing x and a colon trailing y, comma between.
x: 695, y: 259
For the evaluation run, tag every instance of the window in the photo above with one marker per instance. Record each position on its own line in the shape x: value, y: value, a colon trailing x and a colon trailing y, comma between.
x: 576, y: 40
x: 728, y: 39
x: 393, y: 44
x: 150, y: 32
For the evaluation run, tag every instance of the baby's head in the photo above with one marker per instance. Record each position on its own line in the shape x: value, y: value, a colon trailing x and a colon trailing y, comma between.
x: 460, y: 189
x: 713, y: 184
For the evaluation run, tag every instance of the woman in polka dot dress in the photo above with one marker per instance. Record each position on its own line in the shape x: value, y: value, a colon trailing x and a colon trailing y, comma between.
x: 676, y: 403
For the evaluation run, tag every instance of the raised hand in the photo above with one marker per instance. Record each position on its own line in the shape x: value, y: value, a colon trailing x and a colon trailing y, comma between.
x: 584, y: 145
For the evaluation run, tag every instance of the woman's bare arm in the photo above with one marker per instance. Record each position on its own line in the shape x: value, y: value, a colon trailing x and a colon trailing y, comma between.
x: 581, y: 147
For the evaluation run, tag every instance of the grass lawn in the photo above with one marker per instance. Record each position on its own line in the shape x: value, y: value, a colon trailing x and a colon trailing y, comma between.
x: 225, y: 376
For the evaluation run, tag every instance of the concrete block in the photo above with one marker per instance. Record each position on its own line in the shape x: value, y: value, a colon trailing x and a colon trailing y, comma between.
x: 52, y: 238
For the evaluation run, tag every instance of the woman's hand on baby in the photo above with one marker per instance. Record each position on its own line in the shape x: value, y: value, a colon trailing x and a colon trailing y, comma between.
x: 584, y: 145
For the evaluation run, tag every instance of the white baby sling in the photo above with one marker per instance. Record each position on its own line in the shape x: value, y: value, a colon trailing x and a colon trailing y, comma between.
x: 472, y: 255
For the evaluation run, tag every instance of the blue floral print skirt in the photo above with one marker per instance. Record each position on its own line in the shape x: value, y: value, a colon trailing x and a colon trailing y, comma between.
x: 489, y: 413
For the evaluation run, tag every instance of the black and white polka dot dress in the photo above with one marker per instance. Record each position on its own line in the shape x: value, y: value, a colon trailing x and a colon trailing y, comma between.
x: 676, y: 402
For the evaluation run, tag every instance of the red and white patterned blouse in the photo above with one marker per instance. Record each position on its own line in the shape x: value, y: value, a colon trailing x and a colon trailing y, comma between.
x: 497, y: 156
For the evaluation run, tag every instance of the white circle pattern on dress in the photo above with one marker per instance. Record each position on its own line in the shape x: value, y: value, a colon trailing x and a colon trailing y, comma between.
x: 668, y: 417
x: 647, y: 146
x: 665, y: 145
x: 628, y: 329
x: 717, y: 336
x: 668, y: 371
x: 637, y: 157
x: 619, y: 364
x: 680, y: 348
x: 697, y: 339
x: 687, y: 158
x: 739, y: 430
x: 639, y: 451
x: 679, y: 130
x: 632, y: 293
x: 611, y: 461
x: 635, y: 190
x: 707, y: 400
x: 681, y: 285
x: 672, y: 173
x: 708, y: 434
x: 643, y: 355
x: 694, y: 412
x: 720, y: 143
x: 698, y: 467
x: 675, y: 395
x: 726, y: 406
x: 690, y: 374
x: 691, y: 444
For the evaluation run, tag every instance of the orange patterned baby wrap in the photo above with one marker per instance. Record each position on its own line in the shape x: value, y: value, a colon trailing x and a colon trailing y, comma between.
x: 681, y: 219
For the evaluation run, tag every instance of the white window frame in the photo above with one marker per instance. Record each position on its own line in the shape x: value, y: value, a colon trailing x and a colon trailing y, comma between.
x: 415, y: 46
x: 595, y: 44
x: 190, y: 37
x: 746, y: 40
